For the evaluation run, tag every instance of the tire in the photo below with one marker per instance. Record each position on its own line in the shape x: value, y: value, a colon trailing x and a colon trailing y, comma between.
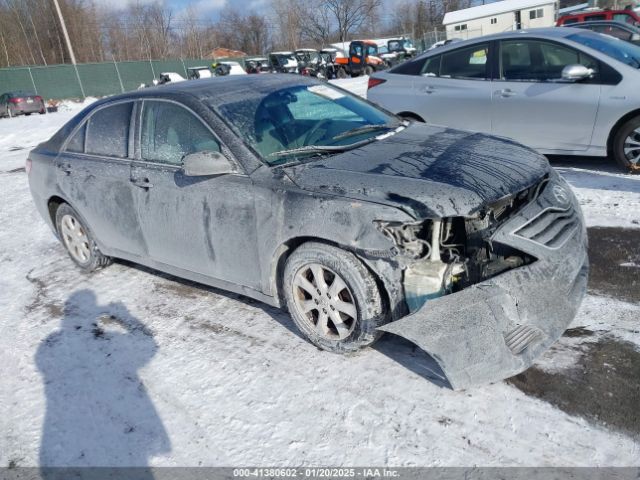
x: 78, y: 240
x: 411, y: 117
x: 341, y: 73
x: 368, y: 70
x: 356, y: 302
x: 628, y: 134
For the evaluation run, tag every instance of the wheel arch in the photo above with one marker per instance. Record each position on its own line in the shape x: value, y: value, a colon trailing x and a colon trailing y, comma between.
x: 618, y: 125
x: 411, y: 115
x: 53, y: 204
x: 285, y: 249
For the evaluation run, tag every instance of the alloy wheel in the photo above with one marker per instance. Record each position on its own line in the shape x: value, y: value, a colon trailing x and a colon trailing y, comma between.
x: 75, y: 238
x: 632, y: 148
x: 324, y: 300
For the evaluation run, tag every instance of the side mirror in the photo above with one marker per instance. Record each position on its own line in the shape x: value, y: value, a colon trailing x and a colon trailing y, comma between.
x: 576, y: 73
x: 200, y: 164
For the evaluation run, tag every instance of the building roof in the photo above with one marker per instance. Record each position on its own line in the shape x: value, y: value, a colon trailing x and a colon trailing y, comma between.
x: 495, y: 8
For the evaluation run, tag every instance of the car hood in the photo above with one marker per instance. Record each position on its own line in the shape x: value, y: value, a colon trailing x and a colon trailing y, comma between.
x: 426, y: 171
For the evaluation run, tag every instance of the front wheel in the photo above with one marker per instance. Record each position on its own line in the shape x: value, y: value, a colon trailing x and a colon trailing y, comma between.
x: 78, y: 240
x: 333, y: 299
x: 341, y: 73
x: 368, y: 70
x: 626, y: 146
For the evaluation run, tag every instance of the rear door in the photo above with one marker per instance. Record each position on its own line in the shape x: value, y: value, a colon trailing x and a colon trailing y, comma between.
x: 93, y: 174
x: 533, y: 105
x: 204, y: 224
x: 454, y: 89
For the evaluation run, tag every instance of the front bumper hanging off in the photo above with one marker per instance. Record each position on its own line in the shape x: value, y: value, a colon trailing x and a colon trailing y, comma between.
x: 497, y: 328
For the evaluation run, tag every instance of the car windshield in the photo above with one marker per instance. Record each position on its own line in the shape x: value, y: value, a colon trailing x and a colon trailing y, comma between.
x: 304, y: 121
x: 613, y: 47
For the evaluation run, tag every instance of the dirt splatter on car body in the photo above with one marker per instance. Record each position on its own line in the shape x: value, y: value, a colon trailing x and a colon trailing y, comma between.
x: 496, y: 235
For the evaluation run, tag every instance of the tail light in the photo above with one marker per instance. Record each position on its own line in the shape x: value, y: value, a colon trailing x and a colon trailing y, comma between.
x: 15, y: 100
x: 374, y: 82
x: 27, y: 166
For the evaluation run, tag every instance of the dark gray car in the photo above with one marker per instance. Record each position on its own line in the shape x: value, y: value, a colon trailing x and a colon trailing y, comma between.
x: 302, y: 195
x: 21, y: 103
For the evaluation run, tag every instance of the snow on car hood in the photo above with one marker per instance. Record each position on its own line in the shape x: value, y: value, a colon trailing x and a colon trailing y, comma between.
x: 427, y: 171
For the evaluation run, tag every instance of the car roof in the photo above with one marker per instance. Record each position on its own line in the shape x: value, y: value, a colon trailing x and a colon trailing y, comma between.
x: 19, y: 92
x: 611, y: 23
x: 216, y: 90
x: 549, y: 32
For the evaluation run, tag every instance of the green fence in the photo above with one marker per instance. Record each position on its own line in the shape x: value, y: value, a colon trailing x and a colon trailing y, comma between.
x: 91, y: 79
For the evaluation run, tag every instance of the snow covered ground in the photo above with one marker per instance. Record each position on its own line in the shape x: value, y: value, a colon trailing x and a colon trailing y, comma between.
x: 131, y: 367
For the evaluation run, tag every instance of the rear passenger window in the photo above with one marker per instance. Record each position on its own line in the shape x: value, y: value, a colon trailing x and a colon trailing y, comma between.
x: 169, y: 132
x: 108, y: 131
x: 76, y: 144
x: 466, y: 63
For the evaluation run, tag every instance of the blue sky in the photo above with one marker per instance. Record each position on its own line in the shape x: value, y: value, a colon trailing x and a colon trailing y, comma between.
x: 208, y: 8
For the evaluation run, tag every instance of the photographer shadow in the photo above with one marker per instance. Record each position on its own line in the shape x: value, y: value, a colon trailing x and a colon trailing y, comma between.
x: 99, y: 412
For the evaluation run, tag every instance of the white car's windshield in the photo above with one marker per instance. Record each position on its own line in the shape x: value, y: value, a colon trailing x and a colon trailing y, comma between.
x: 613, y: 47
x: 305, y: 120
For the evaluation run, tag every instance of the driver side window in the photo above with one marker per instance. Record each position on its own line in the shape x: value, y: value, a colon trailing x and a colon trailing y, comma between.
x: 535, y: 61
x: 169, y: 132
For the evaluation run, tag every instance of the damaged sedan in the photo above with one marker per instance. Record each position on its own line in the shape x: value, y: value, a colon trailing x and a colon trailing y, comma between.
x: 306, y: 197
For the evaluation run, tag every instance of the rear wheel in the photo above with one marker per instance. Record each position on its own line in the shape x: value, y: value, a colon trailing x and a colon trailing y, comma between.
x: 411, y: 117
x: 368, y: 70
x: 78, y: 240
x: 341, y: 73
x: 333, y: 299
x: 626, y: 145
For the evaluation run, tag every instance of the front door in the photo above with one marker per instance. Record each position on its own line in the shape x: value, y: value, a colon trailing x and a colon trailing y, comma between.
x: 206, y: 224
x: 93, y: 173
x: 533, y: 105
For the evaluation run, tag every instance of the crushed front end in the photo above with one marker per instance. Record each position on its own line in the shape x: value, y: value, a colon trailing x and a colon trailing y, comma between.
x: 490, y: 292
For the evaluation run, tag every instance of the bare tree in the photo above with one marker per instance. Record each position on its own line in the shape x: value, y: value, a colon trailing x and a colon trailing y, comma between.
x: 350, y: 15
x: 316, y: 23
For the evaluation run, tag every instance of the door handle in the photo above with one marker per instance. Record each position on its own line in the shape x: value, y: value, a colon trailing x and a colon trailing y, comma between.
x: 506, y: 93
x: 65, y: 167
x: 429, y: 89
x: 142, y: 183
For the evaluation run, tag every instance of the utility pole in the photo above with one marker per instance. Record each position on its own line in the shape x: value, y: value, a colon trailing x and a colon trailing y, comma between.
x: 64, y: 31
x: 68, y: 41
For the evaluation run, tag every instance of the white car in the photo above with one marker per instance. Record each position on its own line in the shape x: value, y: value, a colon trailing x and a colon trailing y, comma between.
x: 562, y: 91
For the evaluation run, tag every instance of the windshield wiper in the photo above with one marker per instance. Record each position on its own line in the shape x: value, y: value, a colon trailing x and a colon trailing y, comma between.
x: 310, y: 149
x: 364, y: 129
